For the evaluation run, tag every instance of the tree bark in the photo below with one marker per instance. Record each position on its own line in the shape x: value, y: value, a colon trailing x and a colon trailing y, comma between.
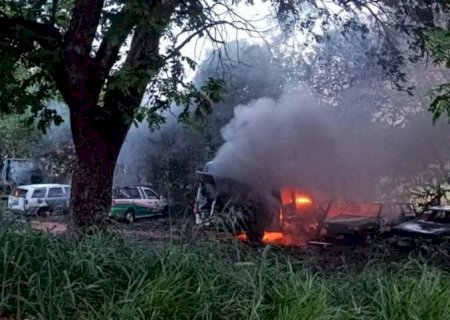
x: 99, y: 129
x: 97, y: 145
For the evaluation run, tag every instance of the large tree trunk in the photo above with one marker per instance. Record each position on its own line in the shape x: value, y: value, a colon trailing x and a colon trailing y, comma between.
x: 99, y: 127
x: 97, y: 145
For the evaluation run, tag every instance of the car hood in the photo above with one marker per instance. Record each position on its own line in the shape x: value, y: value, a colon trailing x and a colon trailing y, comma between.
x: 350, y: 220
x: 423, y: 227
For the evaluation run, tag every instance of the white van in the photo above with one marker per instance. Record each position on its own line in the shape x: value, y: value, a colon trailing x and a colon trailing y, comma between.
x: 40, y: 199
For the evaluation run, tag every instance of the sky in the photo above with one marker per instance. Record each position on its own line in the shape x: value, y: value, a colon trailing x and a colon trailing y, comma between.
x: 259, y: 16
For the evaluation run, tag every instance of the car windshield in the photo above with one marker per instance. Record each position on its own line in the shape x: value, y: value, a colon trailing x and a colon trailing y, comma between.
x: 127, y: 193
x: 439, y: 216
x: 19, y: 192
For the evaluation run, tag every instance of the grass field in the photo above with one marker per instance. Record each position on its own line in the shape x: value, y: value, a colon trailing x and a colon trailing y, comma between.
x: 111, y: 277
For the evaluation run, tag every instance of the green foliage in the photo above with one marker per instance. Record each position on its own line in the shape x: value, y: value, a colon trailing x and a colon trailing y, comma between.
x: 18, y: 138
x: 440, y: 102
x: 438, y: 46
x: 34, y: 42
x: 108, y: 277
x: 33, y: 60
x: 25, y: 84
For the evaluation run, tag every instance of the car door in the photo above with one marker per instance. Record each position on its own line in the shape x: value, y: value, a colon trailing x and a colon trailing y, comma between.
x: 153, y: 201
x: 139, y: 201
x: 37, y: 198
x: 56, y: 199
x: 16, y: 201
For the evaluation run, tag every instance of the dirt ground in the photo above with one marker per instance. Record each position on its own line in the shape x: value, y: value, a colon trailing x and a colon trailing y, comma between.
x: 153, y: 228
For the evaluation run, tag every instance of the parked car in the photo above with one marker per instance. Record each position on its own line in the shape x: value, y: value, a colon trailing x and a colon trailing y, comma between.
x: 131, y: 203
x: 434, y: 226
x: 356, y: 222
x: 40, y: 199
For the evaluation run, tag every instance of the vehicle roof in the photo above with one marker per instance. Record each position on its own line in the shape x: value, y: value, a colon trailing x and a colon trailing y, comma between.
x: 370, y: 202
x: 21, y: 159
x: 43, y: 185
x: 440, y: 208
x: 136, y: 186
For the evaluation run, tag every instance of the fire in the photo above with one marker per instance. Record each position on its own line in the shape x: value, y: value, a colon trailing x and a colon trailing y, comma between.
x: 242, y: 237
x: 296, y: 220
x: 289, y: 195
x: 271, y: 237
x: 303, y: 199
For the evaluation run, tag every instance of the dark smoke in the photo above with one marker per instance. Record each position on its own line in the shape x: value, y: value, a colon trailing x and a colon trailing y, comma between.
x: 330, y: 152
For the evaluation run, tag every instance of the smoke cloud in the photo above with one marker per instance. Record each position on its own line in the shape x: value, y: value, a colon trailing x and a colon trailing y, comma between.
x: 132, y: 166
x: 329, y: 152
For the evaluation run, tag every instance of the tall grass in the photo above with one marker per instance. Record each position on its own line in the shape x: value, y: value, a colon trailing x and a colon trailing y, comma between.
x: 110, y: 277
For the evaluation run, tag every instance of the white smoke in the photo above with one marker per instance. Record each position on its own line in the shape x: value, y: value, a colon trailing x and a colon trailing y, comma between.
x: 132, y: 166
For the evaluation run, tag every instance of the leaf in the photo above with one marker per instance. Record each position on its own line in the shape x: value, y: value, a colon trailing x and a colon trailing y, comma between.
x: 440, y: 103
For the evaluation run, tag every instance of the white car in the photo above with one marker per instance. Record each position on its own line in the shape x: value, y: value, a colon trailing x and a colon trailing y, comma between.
x: 40, y: 199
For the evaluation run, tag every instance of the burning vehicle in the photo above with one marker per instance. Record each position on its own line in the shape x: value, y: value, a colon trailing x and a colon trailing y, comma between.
x: 286, y: 215
x: 433, y: 227
x: 359, y: 221
x: 291, y: 216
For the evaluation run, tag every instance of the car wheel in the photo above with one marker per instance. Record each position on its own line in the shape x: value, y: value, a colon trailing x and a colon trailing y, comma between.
x: 44, y: 212
x: 130, y: 216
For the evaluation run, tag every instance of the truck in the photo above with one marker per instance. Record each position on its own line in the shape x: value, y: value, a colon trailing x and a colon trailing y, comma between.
x: 19, y: 171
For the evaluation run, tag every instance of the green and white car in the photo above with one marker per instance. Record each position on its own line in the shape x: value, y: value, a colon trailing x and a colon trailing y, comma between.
x: 131, y: 203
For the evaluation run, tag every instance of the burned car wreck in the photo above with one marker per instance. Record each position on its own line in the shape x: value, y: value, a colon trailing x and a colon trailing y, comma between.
x: 433, y: 227
x: 285, y: 215
x: 228, y: 204
x: 360, y: 221
x: 290, y: 216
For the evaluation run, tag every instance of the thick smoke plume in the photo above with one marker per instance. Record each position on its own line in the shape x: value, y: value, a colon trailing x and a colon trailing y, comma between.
x: 329, y: 152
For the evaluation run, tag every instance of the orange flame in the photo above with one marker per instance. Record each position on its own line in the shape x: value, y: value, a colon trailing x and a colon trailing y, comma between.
x: 291, y: 232
x: 303, y: 199
x: 271, y: 237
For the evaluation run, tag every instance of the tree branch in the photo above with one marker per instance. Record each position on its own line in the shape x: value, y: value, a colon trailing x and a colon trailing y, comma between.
x: 191, y: 36
x: 22, y: 29
x: 55, y: 4
x: 126, y: 88
x: 146, y: 38
x: 108, y: 52
x: 83, y: 26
